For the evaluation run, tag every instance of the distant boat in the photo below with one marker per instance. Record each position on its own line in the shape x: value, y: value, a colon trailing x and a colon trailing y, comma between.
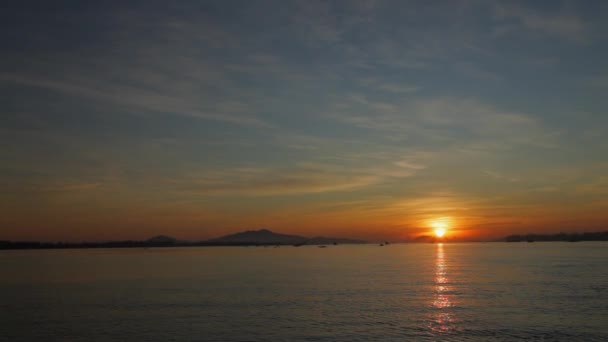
x: 322, y: 246
x: 381, y: 245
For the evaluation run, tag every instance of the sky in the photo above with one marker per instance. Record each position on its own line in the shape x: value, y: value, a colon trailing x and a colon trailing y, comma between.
x: 361, y: 119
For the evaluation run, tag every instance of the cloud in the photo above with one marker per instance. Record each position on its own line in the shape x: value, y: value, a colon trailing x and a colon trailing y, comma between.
x: 317, y: 22
x: 562, y: 25
x: 72, y: 187
x: 406, y: 164
x: 391, y: 87
x: 596, y: 81
x: 352, y: 171
x: 265, y: 182
x: 461, y: 121
x: 133, y: 97
x: 474, y: 71
x: 146, y: 61
x: 500, y: 176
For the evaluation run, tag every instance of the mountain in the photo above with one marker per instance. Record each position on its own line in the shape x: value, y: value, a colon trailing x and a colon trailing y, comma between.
x: 267, y: 237
x: 250, y: 237
x: 262, y: 236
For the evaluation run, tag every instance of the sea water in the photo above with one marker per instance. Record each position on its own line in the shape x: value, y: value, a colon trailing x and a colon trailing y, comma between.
x: 554, y: 291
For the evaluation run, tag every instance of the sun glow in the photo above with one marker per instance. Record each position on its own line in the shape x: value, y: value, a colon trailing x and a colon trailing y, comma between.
x: 440, y: 227
x: 439, y: 232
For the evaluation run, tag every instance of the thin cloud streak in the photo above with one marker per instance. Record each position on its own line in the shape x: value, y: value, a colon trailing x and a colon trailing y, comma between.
x: 131, y: 97
x: 265, y: 182
x: 562, y: 25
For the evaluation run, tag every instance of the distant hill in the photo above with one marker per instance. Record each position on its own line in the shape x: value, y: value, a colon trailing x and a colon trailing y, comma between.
x: 247, y: 238
x: 262, y: 236
x: 267, y: 237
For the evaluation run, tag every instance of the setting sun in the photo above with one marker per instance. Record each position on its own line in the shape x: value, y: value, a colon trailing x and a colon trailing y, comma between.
x: 439, y: 232
x: 440, y: 227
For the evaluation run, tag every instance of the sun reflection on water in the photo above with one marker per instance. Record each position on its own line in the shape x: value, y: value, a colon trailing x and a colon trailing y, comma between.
x: 442, y: 317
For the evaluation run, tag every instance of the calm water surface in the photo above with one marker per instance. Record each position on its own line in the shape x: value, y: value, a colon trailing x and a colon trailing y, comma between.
x: 427, y: 292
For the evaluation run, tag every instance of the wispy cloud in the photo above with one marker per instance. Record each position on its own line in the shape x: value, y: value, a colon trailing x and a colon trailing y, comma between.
x: 500, y: 176
x: 150, y: 63
x: 561, y: 24
x: 476, y: 72
x: 72, y: 187
x: 392, y: 87
x: 446, y: 119
x: 596, y: 81
x: 265, y: 182
x: 133, y: 97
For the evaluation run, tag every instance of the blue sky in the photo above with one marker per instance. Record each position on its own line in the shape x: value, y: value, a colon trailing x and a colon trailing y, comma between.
x: 357, y: 118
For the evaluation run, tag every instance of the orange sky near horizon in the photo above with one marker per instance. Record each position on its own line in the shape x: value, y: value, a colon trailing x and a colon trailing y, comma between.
x: 369, y: 221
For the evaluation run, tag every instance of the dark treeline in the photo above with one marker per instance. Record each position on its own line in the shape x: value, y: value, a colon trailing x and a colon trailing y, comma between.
x: 571, y: 237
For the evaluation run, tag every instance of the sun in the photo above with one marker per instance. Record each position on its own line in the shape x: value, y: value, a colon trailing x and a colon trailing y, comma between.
x: 439, y: 232
x: 440, y: 227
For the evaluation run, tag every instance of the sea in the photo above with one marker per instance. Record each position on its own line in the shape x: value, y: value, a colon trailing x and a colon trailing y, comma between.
x: 543, y: 291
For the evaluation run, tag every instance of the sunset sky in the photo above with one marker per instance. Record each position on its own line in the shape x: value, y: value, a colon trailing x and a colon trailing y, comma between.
x: 362, y: 119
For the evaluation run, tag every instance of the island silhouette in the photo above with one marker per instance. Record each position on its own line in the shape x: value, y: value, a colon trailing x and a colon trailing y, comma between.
x: 266, y: 237
x: 261, y: 237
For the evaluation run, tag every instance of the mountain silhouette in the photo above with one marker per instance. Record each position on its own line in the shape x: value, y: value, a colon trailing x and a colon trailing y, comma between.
x: 246, y: 238
x: 262, y: 236
x: 267, y: 237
